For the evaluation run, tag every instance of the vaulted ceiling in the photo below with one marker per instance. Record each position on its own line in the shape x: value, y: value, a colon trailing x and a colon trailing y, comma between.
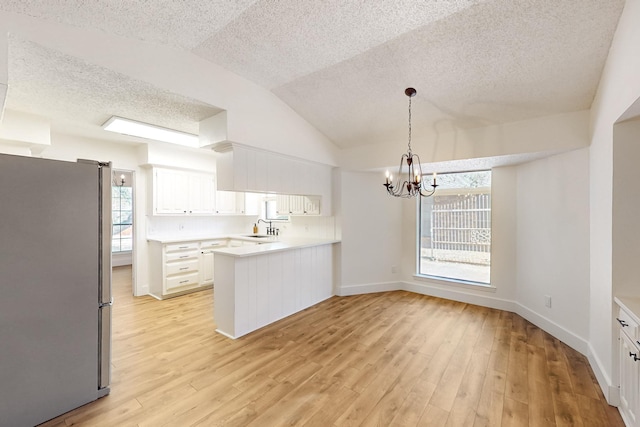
x: 342, y: 65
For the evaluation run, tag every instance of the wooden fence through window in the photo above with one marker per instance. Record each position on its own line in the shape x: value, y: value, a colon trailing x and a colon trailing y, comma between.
x: 461, y: 228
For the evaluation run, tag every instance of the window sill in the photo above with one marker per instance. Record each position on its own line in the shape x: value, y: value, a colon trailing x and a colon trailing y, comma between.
x: 486, y: 287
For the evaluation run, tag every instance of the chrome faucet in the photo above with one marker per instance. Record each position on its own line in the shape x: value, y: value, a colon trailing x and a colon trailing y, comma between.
x: 270, y: 230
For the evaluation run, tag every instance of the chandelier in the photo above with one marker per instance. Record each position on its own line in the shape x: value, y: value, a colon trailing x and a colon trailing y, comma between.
x: 412, y: 185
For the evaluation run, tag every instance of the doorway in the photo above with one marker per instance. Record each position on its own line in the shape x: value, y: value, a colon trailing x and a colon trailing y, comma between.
x: 122, y: 218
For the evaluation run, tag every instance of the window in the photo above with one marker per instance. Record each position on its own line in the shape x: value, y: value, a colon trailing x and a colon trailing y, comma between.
x: 121, y: 214
x: 271, y: 208
x: 454, y: 229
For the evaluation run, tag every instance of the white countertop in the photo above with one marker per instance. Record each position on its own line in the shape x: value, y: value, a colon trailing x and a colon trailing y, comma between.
x: 263, y: 245
x: 270, y: 247
x: 631, y: 305
x: 174, y: 239
x: 200, y: 238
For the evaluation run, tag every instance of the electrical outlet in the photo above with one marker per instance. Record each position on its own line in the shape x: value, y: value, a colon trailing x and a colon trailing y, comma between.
x: 394, y: 268
x: 547, y: 301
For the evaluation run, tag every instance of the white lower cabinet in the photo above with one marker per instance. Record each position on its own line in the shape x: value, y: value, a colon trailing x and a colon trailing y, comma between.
x: 629, y: 368
x: 179, y: 268
x: 207, y: 259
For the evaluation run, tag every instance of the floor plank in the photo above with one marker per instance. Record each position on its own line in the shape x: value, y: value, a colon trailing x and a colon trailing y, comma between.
x: 387, y: 359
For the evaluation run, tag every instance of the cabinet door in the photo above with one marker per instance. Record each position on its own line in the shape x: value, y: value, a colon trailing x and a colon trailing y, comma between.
x: 296, y: 205
x: 171, y: 191
x: 275, y: 175
x: 201, y: 194
x: 629, y: 380
x: 225, y: 202
x: 261, y: 180
x: 312, y: 205
x: 283, y: 204
x: 206, y: 267
x: 299, y: 177
x: 239, y: 201
x: 241, y: 168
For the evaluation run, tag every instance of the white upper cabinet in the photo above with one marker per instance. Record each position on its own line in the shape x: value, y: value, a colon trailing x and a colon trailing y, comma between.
x: 297, y: 205
x: 230, y: 203
x: 246, y: 169
x: 202, y: 193
x: 178, y: 192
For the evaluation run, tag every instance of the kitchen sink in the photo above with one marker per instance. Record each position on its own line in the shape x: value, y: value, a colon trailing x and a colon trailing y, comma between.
x: 256, y: 236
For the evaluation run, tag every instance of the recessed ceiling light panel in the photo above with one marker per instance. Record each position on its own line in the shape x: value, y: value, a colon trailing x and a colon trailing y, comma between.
x: 147, y: 131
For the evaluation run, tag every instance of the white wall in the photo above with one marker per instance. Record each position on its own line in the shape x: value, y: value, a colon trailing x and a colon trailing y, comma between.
x: 369, y: 221
x: 549, y: 134
x: 619, y: 88
x: 553, y: 245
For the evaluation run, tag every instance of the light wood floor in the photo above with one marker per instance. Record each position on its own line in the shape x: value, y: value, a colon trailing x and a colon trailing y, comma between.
x: 393, y: 359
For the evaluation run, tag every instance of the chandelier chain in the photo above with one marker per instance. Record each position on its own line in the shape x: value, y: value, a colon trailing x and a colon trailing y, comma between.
x: 409, y: 144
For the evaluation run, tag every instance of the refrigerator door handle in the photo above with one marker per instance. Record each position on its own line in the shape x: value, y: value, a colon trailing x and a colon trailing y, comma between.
x: 104, y: 349
x: 106, y: 304
x: 105, y: 298
x: 104, y: 236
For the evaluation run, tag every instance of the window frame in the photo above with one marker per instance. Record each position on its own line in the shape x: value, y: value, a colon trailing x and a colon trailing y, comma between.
x: 418, y: 253
x: 114, y: 209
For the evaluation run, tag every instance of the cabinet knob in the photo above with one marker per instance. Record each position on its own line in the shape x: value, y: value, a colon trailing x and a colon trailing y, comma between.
x: 635, y: 356
x: 622, y: 322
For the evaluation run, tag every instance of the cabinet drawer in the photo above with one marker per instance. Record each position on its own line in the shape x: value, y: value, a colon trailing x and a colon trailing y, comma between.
x: 182, y: 280
x: 177, y: 267
x: 213, y: 244
x: 627, y: 324
x: 182, y: 255
x: 174, y: 247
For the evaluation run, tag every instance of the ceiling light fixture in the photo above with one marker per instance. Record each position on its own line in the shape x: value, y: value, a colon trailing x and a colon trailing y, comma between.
x: 412, y: 186
x: 147, y: 131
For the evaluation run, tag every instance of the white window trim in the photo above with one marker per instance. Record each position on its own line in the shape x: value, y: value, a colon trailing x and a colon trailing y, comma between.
x: 447, y: 281
x: 455, y: 282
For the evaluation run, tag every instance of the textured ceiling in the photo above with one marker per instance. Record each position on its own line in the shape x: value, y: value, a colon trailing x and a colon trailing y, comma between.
x: 343, y: 65
x: 66, y: 89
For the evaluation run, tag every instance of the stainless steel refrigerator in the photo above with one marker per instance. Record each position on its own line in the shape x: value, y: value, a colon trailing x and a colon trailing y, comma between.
x: 55, y: 286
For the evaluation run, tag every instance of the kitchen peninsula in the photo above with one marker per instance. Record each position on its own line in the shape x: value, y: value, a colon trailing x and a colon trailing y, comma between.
x: 260, y: 284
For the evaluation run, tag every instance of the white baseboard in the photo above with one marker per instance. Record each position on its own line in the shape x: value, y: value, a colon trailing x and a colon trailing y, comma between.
x: 572, y: 340
x: 369, y: 288
x: 611, y: 392
x: 142, y: 290
x: 459, y: 294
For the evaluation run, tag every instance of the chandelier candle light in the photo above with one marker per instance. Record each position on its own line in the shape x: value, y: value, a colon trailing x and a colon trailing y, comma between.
x: 412, y: 186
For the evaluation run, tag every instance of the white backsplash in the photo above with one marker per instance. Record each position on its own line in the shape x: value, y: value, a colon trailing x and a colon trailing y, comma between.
x: 189, y: 226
